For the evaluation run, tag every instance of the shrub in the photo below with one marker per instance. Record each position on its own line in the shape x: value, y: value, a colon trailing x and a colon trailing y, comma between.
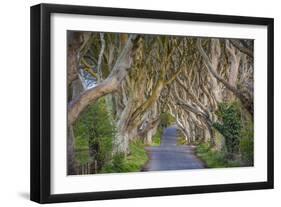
x: 229, y: 125
x: 213, y: 158
x: 247, y: 143
x: 237, y: 128
x: 166, y: 119
x: 94, y: 132
x: 131, y: 163
x: 156, y: 139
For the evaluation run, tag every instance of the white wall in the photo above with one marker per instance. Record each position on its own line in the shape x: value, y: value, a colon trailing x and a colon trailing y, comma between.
x: 14, y: 110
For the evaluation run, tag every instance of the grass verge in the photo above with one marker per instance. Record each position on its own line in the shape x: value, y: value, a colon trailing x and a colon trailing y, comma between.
x: 181, y: 140
x: 131, y: 163
x: 213, y: 158
x: 156, y: 139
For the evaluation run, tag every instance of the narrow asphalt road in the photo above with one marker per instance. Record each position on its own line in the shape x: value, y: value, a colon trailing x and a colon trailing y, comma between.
x: 169, y: 156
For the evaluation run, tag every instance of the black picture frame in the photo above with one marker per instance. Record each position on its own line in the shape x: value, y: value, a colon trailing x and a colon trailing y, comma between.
x: 41, y: 99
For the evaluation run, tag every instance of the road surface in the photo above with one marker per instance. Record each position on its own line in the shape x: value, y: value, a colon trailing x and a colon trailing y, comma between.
x: 169, y: 156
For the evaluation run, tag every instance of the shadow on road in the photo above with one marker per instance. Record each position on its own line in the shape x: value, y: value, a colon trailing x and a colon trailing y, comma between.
x: 170, y: 156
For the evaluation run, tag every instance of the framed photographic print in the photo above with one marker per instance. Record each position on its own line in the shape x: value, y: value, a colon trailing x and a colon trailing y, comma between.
x: 133, y: 103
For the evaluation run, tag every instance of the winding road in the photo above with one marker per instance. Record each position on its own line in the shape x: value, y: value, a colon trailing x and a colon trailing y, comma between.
x: 170, y: 156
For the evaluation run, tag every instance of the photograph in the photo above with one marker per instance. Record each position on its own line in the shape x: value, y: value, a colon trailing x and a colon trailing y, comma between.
x: 151, y: 102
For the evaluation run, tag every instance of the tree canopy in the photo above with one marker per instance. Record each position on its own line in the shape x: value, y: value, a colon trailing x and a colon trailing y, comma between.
x: 140, y: 77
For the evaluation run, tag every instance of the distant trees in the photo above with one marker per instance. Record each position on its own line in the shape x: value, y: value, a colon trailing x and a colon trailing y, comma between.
x: 144, y: 76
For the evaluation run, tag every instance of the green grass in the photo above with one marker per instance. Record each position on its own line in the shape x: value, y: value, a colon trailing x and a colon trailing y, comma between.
x: 131, y: 163
x: 247, y: 143
x: 137, y: 158
x: 181, y: 140
x: 156, y: 139
x: 213, y: 158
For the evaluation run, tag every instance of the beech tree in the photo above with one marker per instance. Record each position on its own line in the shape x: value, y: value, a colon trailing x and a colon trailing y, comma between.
x: 143, y: 76
x: 109, y: 85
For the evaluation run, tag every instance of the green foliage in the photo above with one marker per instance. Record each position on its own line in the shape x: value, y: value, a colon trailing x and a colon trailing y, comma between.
x: 156, y: 139
x: 181, y: 139
x: 131, y: 163
x: 237, y: 128
x: 166, y: 119
x: 247, y: 143
x: 116, y: 165
x: 82, y: 156
x: 137, y: 158
x: 94, y: 132
x: 229, y: 125
x: 213, y: 158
